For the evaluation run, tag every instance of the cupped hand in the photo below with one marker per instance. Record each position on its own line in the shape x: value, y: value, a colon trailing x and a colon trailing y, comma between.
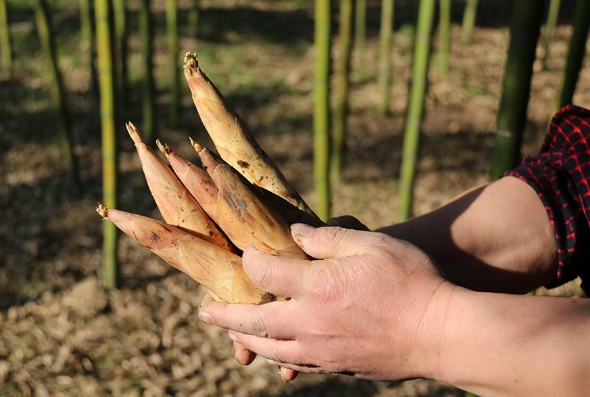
x: 368, y: 307
x: 245, y: 356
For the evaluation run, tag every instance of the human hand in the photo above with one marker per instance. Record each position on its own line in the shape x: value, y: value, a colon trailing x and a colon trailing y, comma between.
x: 245, y: 356
x: 369, y: 308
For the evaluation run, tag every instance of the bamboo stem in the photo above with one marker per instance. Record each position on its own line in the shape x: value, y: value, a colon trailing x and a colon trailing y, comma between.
x: 549, y: 30
x: 360, y: 23
x: 524, y: 33
x: 342, y: 80
x: 469, y: 17
x: 87, y: 37
x: 5, y: 44
x: 109, y: 142
x: 387, y: 11
x: 120, y: 13
x: 415, y: 108
x: 172, y: 36
x: 147, y: 34
x: 321, y: 147
x: 193, y: 19
x: 444, y: 28
x: 575, y: 55
x: 44, y: 30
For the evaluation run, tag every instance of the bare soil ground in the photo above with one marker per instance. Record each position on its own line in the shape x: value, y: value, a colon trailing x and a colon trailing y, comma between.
x: 62, y: 335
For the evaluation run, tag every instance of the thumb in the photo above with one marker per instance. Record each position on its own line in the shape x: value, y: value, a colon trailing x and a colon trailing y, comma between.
x: 330, y: 242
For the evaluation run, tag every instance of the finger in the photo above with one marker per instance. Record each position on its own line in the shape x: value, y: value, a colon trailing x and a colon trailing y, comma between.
x: 309, y: 369
x: 269, y: 320
x: 347, y: 222
x: 278, y: 275
x: 243, y: 356
x: 330, y: 242
x: 277, y: 350
x: 288, y: 374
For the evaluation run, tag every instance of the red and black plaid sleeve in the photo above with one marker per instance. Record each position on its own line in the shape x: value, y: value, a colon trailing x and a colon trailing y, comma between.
x: 560, y: 175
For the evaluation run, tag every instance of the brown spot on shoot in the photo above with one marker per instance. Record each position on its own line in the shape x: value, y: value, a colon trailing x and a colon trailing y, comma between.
x: 154, y: 237
x: 243, y: 164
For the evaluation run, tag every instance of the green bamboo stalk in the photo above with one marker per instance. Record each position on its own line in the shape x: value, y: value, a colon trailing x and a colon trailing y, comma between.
x: 549, y: 30
x: 469, y: 17
x: 511, y: 120
x: 172, y: 36
x: 321, y: 113
x: 385, y: 54
x: 342, y: 79
x: 575, y: 55
x: 87, y: 38
x: 415, y: 108
x: 146, y: 34
x: 360, y: 23
x: 108, y: 119
x: 5, y: 44
x: 43, y: 22
x: 120, y: 13
x: 193, y: 19
x: 444, y: 28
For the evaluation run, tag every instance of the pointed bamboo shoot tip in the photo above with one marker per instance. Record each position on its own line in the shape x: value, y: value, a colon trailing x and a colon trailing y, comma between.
x: 102, y: 210
x: 134, y: 133
x: 190, y: 60
x: 164, y: 148
x: 198, y: 147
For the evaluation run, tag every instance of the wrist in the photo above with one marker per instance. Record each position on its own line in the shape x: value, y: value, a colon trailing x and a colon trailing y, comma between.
x: 431, y: 335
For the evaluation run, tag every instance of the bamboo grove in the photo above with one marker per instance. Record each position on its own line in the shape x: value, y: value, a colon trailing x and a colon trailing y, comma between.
x: 342, y: 37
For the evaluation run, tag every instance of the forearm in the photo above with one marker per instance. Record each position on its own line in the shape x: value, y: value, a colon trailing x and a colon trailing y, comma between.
x: 494, y: 238
x: 509, y: 345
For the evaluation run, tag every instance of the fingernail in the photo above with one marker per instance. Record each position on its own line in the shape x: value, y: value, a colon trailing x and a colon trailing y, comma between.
x: 301, y: 230
x: 232, y: 337
x: 205, y: 317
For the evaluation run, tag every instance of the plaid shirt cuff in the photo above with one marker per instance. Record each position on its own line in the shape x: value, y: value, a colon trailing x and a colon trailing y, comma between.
x: 560, y: 175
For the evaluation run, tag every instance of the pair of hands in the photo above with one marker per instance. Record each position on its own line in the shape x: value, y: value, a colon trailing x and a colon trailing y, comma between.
x: 368, y: 307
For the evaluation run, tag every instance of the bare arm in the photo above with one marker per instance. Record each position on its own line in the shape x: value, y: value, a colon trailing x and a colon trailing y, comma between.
x: 494, y: 238
x: 510, y: 345
x: 377, y: 308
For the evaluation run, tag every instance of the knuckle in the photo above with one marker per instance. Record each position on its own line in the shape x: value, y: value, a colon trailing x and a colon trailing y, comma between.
x: 325, y: 284
x: 382, y: 240
x: 276, y: 353
x: 332, y: 235
x: 257, y: 326
x: 265, y: 278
